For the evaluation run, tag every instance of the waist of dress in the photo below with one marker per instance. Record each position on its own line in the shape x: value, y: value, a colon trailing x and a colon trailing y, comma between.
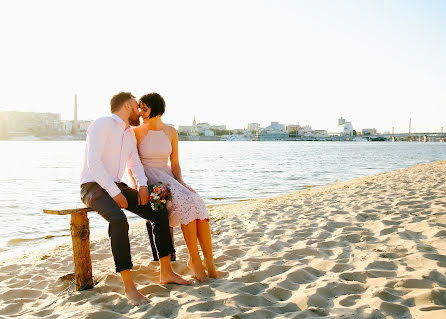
x: 152, y: 162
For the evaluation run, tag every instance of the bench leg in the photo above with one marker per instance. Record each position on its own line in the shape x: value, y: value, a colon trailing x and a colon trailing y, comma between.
x: 80, y: 234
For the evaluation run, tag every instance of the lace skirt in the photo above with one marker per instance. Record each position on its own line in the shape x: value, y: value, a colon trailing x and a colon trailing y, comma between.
x: 184, y: 206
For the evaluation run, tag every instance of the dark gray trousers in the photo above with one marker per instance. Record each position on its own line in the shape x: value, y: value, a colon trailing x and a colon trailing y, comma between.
x: 94, y: 196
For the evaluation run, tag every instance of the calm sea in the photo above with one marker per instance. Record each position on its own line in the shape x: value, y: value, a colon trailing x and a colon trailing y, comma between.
x: 45, y: 174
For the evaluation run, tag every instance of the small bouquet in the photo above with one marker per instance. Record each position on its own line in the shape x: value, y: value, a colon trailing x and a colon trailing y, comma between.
x: 158, y: 195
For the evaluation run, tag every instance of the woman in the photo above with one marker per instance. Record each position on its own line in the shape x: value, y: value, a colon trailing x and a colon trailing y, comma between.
x: 158, y: 142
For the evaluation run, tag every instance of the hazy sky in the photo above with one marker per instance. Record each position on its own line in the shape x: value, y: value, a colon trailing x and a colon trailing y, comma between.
x: 376, y: 63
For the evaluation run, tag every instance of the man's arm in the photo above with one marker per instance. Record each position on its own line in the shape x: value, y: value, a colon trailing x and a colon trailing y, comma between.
x: 96, y: 139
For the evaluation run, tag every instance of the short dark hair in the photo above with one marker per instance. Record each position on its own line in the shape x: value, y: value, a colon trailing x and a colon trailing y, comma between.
x: 155, y: 102
x: 119, y: 99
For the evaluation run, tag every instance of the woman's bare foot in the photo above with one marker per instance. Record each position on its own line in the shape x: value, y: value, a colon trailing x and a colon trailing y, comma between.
x: 136, y: 298
x: 198, y: 270
x: 173, y: 278
x: 210, y: 267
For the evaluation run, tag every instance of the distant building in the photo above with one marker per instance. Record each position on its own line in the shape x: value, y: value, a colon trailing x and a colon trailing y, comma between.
x: 3, y: 128
x: 83, y: 126
x: 238, y: 131
x: 320, y: 133
x: 209, y: 133
x: 344, y: 128
x: 274, y: 131
x: 67, y: 127
x: 189, y: 130
x: 218, y: 127
x: 305, y: 130
x: 201, y: 127
x: 276, y: 127
x: 253, y: 127
x: 369, y: 131
x: 293, y: 128
x: 185, y: 128
x: 31, y: 123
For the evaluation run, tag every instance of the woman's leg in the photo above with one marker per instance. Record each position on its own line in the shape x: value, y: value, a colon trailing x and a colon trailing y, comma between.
x: 194, y: 263
x: 204, y: 237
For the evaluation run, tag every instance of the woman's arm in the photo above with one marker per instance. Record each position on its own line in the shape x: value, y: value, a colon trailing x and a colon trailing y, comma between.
x: 174, y: 159
x: 133, y: 183
x: 132, y: 180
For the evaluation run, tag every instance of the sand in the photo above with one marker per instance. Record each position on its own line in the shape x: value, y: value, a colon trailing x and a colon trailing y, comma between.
x: 372, y: 247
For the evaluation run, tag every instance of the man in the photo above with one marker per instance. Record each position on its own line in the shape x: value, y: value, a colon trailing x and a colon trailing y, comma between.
x: 110, y: 144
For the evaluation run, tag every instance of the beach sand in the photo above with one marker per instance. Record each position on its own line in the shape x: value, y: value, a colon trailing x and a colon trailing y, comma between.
x: 372, y: 247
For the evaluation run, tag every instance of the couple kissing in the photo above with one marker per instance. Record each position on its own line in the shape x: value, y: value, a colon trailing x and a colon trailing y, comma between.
x: 111, y: 145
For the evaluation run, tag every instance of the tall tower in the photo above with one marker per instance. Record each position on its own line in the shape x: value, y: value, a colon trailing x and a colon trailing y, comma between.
x: 75, y: 128
x: 75, y: 108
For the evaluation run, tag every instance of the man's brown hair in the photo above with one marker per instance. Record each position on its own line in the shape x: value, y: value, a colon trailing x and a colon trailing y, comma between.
x: 119, y: 99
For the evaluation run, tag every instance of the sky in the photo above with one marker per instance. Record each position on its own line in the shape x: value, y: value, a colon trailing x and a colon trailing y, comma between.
x: 377, y: 63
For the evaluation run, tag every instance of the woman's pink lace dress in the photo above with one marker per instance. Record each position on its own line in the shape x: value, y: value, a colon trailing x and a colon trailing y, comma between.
x: 184, y: 206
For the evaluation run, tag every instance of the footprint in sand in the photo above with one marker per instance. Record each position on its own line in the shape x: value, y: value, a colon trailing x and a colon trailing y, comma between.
x: 234, y: 252
x: 382, y: 265
x: 254, y: 289
x: 354, y: 276
x: 207, y: 306
x: 305, y: 275
x: 248, y: 300
x: 349, y: 301
x: 395, y: 310
x: 278, y: 294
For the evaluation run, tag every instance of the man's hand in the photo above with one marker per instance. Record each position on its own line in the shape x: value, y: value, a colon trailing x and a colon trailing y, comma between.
x: 143, y: 195
x: 121, y: 201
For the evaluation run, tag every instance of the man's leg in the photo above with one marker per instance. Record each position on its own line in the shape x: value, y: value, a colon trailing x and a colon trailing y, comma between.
x: 97, y: 198
x: 161, y: 230
x: 152, y: 242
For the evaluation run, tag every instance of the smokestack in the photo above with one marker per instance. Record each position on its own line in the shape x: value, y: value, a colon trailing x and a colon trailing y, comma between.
x: 75, y: 108
x: 75, y: 126
x: 410, y: 125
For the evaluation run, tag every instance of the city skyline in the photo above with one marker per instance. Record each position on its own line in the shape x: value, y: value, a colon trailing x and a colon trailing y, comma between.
x: 33, y: 121
x: 375, y: 63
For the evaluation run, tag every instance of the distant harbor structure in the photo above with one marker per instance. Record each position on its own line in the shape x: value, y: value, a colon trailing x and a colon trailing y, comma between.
x: 345, y: 128
x: 49, y: 126
x: 18, y: 125
x: 75, y: 128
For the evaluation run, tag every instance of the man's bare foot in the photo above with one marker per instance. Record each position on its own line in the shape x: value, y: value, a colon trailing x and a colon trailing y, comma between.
x: 136, y: 298
x: 198, y: 270
x: 174, y: 278
x: 210, y: 267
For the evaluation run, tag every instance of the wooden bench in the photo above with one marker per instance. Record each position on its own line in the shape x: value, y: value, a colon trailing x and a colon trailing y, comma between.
x: 80, y: 235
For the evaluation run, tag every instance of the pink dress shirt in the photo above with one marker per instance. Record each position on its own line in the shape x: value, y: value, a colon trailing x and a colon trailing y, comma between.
x: 110, y: 145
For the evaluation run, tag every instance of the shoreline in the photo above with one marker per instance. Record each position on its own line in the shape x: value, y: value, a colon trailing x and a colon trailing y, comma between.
x: 244, y: 205
x: 370, y: 247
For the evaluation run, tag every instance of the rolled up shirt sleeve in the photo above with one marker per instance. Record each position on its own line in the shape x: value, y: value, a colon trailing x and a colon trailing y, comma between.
x: 134, y: 163
x: 96, y: 139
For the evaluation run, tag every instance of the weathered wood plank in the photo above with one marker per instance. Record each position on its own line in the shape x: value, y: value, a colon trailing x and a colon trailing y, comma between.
x: 80, y: 235
x: 68, y: 211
